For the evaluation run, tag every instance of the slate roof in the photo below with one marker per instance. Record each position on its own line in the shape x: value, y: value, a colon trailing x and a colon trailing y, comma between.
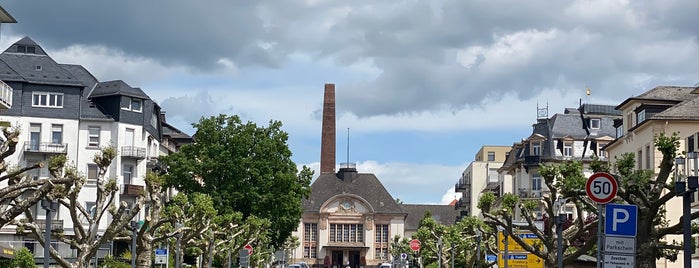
x: 663, y: 93
x: 88, y: 109
x: 444, y: 214
x: 173, y: 132
x: 117, y: 87
x: 365, y: 185
x: 24, y: 67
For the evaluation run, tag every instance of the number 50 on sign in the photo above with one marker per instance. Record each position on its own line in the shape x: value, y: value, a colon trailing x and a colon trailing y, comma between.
x: 601, y: 187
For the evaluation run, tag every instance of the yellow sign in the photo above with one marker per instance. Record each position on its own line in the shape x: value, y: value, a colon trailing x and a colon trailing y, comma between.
x: 521, y: 260
x: 512, y: 245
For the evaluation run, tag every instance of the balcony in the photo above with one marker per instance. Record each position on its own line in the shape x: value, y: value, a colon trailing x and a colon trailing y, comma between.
x: 5, y: 96
x: 528, y: 193
x: 131, y: 189
x: 532, y: 160
x: 56, y: 225
x: 462, y: 185
x: 45, y: 147
x: 133, y: 152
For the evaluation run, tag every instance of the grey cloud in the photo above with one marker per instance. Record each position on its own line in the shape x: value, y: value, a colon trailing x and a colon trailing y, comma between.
x: 189, y: 108
x: 414, y: 44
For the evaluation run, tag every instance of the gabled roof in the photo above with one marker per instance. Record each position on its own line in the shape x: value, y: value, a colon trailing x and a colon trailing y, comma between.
x: 365, y: 185
x: 117, y: 87
x: 174, y: 133
x: 33, y: 67
x: 444, y: 214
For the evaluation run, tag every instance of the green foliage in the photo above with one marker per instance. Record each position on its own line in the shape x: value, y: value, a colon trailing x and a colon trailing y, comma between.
x: 245, y: 168
x: 24, y: 258
x: 485, y: 203
x: 111, y: 262
x: 509, y: 201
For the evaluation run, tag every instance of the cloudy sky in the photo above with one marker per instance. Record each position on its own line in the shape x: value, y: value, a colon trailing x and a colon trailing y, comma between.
x: 421, y: 85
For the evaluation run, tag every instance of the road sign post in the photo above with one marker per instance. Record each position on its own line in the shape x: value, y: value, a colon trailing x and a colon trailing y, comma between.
x: 621, y: 220
x: 415, y: 244
x: 248, y: 247
x: 601, y: 187
x: 161, y: 256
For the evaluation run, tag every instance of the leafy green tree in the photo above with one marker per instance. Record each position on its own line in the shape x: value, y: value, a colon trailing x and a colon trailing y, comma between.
x: 23, y: 259
x: 245, y: 168
x: 639, y: 187
x: 461, y: 238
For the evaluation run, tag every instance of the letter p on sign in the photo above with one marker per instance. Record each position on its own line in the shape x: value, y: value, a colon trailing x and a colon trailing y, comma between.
x: 621, y: 220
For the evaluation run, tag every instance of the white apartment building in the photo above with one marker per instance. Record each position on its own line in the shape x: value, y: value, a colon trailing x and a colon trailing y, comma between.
x: 63, y: 109
x: 479, y: 176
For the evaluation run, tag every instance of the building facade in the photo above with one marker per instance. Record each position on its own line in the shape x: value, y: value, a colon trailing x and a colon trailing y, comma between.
x: 64, y: 109
x: 575, y: 134
x: 350, y: 218
x: 481, y: 175
x: 664, y: 109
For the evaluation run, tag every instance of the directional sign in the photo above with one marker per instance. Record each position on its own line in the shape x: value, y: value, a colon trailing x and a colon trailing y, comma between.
x: 621, y: 220
x: 619, y: 261
x: 521, y: 260
x: 529, y: 239
x: 160, y: 256
x: 620, y: 244
x: 601, y: 187
x: 403, y: 256
x: 491, y: 258
x: 415, y: 244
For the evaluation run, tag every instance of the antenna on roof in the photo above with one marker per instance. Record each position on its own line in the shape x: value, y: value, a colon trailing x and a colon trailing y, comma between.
x: 348, y: 147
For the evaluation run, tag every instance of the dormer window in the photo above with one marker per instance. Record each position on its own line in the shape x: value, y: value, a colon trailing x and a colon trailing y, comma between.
x: 640, y: 116
x: 595, y: 123
x: 38, y: 68
x: 131, y: 104
x: 536, y: 148
x: 26, y: 49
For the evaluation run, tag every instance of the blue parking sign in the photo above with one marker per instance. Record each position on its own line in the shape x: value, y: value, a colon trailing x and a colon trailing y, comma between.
x: 621, y: 220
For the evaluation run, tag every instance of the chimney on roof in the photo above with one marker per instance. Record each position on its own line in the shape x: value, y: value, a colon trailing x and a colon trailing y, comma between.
x: 327, y: 146
x: 162, y: 116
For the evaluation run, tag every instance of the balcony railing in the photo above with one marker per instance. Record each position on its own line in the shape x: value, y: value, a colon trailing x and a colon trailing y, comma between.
x: 45, y: 147
x: 56, y: 225
x: 133, y: 152
x: 131, y: 189
x: 5, y: 96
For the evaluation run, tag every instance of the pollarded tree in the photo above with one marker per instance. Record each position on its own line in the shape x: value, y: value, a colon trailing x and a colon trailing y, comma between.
x: 22, y: 192
x: 87, y: 235
x: 245, y: 168
x: 639, y: 187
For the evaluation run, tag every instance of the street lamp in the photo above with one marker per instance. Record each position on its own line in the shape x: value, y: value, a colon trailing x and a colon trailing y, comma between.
x: 50, y: 207
x: 134, y: 225
x: 478, y: 247
x: 686, y: 189
x: 559, y: 218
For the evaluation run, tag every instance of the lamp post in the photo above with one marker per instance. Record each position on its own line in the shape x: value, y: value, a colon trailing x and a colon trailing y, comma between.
x: 134, y: 225
x: 686, y: 189
x: 50, y: 207
x: 439, y: 252
x: 478, y: 247
x: 559, y: 218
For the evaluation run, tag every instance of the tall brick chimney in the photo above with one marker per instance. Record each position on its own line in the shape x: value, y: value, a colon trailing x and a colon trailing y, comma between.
x: 327, y: 146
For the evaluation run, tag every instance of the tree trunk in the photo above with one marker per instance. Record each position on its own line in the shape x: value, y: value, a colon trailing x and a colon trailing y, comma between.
x: 144, y: 251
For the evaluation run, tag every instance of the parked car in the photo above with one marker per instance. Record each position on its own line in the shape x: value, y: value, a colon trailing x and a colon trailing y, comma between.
x: 385, y: 265
x: 294, y: 265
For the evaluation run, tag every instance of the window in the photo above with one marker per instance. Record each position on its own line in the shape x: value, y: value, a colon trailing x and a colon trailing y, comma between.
x: 128, y: 173
x: 381, y: 242
x: 132, y: 104
x: 640, y: 116
x: 491, y: 156
x: 536, y: 183
x: 310, y: 240
x: 49, y: 100
x: 92, y: 173
x: 648, y: 157
x: 90, y: 208
x: 568, y: 148
x: 640, y: 160
x: 56, y: 134
x: 34, y: 136
x: 536, y: 148
x: 619, y: 131
x: 93, y: 137
x: 341, y: 232
x: 602, y: 154
x: 594, y: 123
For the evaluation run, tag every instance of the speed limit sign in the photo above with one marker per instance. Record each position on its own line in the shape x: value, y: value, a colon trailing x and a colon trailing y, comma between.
x: 601, y: 187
